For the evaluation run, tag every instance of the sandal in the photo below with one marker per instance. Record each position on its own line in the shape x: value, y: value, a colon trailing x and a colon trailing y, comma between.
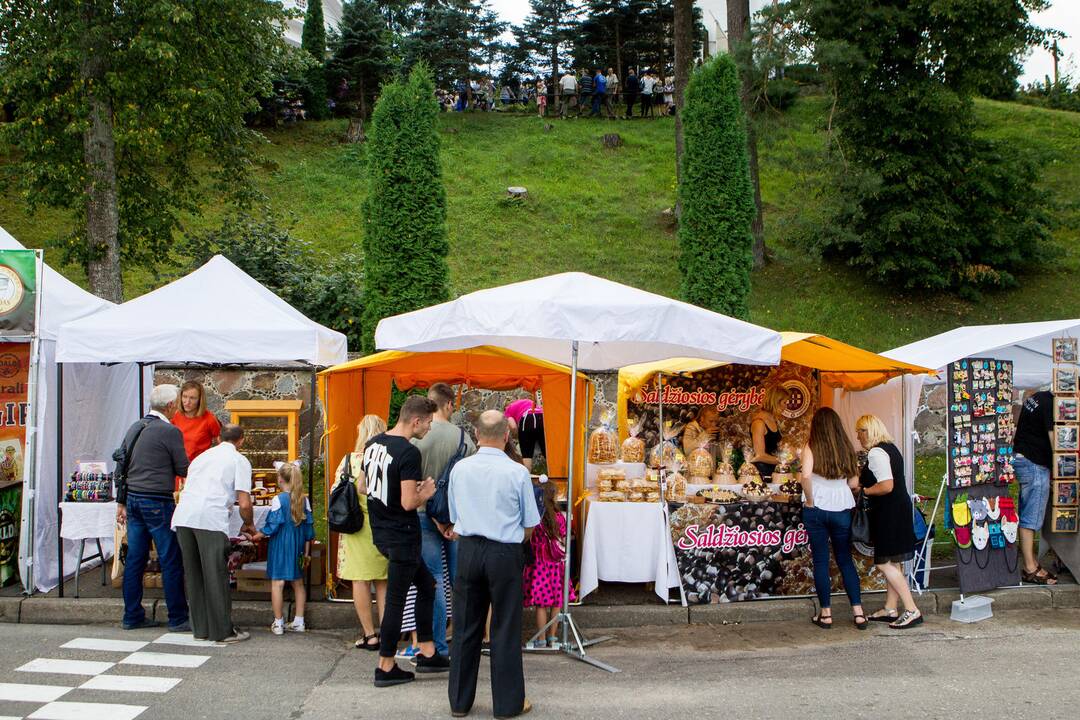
x: 860, y: 625
x: 1041, y: 576
x: 364, y: 643
x: 884, y: 615
x: 909, y: 619
x: 820, y: 621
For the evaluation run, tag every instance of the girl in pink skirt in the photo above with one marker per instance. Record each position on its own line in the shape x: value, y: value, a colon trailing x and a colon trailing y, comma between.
x: 543, y: 577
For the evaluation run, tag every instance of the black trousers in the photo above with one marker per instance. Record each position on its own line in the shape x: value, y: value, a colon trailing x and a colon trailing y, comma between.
x: 488, y: 574
x: 406, y: 568
x: 631, y: 98
x: 646, y: 105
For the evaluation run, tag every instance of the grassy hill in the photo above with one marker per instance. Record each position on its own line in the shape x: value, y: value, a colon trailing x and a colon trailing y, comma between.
x: 602, y: 211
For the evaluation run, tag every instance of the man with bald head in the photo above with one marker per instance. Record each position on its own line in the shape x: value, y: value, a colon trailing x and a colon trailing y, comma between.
x: 492, y: 511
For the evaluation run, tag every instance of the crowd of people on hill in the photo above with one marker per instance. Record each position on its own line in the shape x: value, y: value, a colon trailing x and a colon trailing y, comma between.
x: 591, y: 92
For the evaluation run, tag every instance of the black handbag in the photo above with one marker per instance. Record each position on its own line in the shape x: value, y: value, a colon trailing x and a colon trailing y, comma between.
x: 344, y: 514
x: 860, y: 520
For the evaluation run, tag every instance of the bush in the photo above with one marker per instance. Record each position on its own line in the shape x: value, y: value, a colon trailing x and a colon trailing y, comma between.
x: 715, y: 195
x: 327, y: 289
x: 781, y: 93
x: 405, y: 235
x: 1060, y: 95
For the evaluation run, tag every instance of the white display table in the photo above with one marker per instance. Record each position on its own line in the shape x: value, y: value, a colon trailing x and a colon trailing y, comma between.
x: 627, y: 542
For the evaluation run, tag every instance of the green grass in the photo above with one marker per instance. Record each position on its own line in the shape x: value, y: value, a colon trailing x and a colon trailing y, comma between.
x: 602, y: 211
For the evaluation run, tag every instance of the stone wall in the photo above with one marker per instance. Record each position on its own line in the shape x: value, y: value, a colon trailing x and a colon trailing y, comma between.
x: 224, y: 385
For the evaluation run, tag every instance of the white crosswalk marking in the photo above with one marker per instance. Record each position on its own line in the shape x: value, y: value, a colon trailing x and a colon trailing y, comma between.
x: 66, y: 667
x: 17, y: 692
x: 186, y: 640
x: 131, y: 683
x: 103, y: 644
x: 86, y: 711
x: 165, y: 659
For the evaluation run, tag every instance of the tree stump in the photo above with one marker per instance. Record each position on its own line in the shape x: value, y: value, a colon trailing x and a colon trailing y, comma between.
x: 548, y: 127
x: 612, y: 140
x: 451, y: 131
x: 516, y: 192
x: 355, y: 131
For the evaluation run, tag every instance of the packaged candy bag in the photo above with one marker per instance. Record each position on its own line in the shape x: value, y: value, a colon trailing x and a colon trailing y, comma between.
x: 633, y: 447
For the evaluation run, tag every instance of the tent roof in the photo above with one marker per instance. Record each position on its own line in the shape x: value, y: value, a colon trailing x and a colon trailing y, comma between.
x: 216, y: 314
x: 62, y: 300
x: 615, y: 325
x: 841, y: 365
x: 1026, y: 344
x: 492, y: 368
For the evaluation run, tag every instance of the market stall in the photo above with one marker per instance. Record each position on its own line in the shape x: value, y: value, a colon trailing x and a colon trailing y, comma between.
x: 360, y: 387
x: 736, y: 531
x: 34, y: 435
x: 586, y: 322
x: 216, y: 316
x: 1040, y: 355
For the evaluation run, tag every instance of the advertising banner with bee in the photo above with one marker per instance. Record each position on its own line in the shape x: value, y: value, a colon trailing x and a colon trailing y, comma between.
x: 18, y: 314
x: 727, y: 449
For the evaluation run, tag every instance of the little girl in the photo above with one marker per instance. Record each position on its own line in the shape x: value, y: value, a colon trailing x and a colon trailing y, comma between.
x: 541, y: 97
x: 291, y: 529
x: 543, y: 577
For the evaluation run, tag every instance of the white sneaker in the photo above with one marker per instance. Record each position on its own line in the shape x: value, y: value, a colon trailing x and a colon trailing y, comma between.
x: 278, y: 628
x: 238, y: 635
x: 296, y: 627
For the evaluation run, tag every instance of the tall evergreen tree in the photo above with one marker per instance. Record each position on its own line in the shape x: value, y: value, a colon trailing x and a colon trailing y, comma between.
x: 117, y: 100
x: 405, y: 234
x: 313, y: 40
x: 548, y: 32
x: 714, y: 192
x: 360, y: 53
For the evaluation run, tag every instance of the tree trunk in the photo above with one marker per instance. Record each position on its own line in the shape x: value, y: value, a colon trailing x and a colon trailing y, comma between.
x: 738, y: 20
x: 684, y: 60
x: 618, y: 59
x: 99, y: 155
x: 659, y: 69
x: 555, y: 72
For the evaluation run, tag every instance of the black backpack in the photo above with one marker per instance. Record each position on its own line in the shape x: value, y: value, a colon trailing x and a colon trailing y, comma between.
x: 438, y: 507
x: 122, y: 457
x: 343, y: 514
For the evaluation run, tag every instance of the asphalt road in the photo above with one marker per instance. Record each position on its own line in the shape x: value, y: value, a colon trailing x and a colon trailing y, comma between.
x: 1019, y: 664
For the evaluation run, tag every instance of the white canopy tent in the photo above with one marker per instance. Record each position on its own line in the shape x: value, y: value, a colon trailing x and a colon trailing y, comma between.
x: 217, y: 314
x: 585, y: 322
x: 96, y: 398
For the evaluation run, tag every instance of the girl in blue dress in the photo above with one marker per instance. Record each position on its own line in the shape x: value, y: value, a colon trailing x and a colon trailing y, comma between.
x: 291, y: 529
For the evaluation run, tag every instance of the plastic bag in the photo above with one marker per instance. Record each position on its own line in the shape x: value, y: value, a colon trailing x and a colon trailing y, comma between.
x: 633, y: 447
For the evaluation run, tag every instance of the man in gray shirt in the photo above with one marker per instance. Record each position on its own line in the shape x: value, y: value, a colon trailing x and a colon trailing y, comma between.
x: 437, y: 448
x: 157, y: 457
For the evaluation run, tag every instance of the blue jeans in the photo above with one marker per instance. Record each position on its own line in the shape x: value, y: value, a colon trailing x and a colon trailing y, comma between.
x: 1034, y: 483
x: 151, y: 519
x: 835, y: 525
x: 432, y: 550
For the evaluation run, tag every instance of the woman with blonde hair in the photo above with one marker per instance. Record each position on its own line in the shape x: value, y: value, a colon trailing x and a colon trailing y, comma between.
x: 829, y: 468
x: 362, y: 563
x: 892, y: 530
x: 765, y: 430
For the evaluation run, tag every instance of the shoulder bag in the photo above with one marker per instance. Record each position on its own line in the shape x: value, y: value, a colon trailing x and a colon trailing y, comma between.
x: 344, y: 515
x: 860, y: 520
x: 438, y: 506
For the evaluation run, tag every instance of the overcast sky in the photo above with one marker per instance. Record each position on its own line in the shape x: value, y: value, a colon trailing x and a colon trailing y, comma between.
x: 1063, y: 15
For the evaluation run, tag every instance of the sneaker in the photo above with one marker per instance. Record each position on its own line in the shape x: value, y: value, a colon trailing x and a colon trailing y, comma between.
x: 296, y: 627
x: 408, y: 653
x: 536, y: 645
x: 435, y: 664
x: 238, y: 635
x: 394, y: 676
x: 184, y: 627
x: 144, y: 623
x: 278, y: 628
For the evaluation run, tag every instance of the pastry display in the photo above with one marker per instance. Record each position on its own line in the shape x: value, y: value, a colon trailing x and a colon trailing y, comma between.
x: 636, y: 496
x: 753, y: 486
x: 608, y: 478
x: 602, y: 446
x: 652, y: 496
x: 612, y: 496
x: 783, y: 473
x: 667, y: 453
x: 633, y: 447
x: 718, y: 495
x: 725, y: 473
x: 701, y: 463
x: 676, y: 488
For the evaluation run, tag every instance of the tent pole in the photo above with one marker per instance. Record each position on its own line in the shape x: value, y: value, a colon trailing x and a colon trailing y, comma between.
x: 60, y: 472
x: 569, y: 627
x: 311, y: 475
x: 142, y: 400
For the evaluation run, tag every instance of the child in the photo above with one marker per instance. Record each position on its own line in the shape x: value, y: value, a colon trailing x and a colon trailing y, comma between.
x: 291, y: 529
x: 543, y: 577
x: 541, y: 97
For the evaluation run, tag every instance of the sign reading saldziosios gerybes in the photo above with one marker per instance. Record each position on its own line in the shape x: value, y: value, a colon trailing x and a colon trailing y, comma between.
x: 18, y: 292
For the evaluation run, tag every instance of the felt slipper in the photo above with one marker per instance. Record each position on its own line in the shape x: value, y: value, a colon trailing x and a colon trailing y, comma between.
x: 994, y: 508
x: 980, y: 536
x: 979, y: 508
x: 997, y: 539
x: 1008, y: 529
x: 1008, y: 509
x: 961, y: 516
x: 962, y: 535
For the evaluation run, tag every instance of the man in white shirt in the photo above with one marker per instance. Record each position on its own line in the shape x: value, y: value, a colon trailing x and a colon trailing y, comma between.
x: 216, y: 480
x: 612, y: 95
x: 568, y: 98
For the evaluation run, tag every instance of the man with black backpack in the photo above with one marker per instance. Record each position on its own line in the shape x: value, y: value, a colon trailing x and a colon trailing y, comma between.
x: 150, y: 459
x: 440, y: 450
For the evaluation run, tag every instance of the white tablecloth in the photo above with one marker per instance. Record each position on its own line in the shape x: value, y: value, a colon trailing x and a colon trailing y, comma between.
x: 627, y: 542
x: 98, y: 520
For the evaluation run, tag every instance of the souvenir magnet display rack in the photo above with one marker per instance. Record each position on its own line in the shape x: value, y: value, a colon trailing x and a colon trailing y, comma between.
x: 1065, y: 498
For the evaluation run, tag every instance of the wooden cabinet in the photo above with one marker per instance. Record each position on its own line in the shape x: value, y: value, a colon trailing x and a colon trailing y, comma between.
x: 271, y: 431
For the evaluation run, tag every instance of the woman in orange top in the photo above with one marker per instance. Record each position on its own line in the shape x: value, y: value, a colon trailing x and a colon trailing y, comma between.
x: 200, y: 428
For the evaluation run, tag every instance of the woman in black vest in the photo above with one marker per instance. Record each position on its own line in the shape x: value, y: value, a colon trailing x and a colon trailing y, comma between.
x: 891, y: 528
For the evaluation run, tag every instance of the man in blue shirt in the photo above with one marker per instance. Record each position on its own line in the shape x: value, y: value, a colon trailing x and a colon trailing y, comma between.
x: 492, y: 511
x: 599, y: 88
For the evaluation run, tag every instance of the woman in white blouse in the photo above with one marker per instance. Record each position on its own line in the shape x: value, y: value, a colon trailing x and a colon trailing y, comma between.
x: 829, y: 472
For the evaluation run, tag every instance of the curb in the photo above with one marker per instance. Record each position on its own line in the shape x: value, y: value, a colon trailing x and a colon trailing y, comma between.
x: 341, y: 616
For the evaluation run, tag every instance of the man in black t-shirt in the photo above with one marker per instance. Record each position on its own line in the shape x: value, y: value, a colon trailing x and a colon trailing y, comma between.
x: 392, y: 467
x: 1034, y: 450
